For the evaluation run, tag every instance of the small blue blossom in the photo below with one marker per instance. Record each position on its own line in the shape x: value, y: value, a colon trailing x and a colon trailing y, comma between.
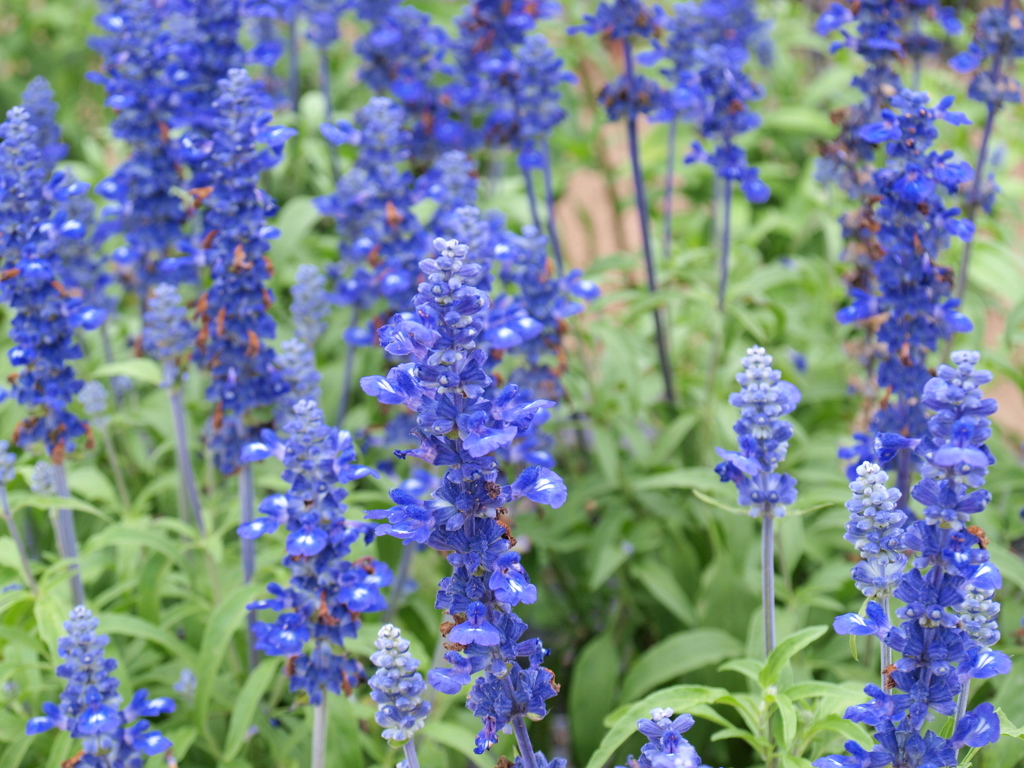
x: 169, y: 335
x: 90, y: 705
x: 875, y: 528
x: 666, y: 747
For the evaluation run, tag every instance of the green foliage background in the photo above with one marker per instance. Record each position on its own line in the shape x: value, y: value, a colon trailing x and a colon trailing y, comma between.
x: 648, y: 576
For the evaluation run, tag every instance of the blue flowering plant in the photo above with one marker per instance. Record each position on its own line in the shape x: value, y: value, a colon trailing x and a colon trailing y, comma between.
x: 90, y: 710
x: 946, y: 623
x: 460, y: 427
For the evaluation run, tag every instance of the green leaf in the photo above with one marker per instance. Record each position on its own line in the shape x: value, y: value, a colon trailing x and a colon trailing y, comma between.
x: 140, y: 369
x: 622, y: 722
x: 676, y: 655
x: 1007, y: 728
x: 663, y: 586
x: 786, y: 650
x: 50, y: 613
x: 132, y: 626
x: 246, y: 705
x: 225, y: 620
x: 14, y: 753
x: 20, y: 500
x: 685, y: 479
x: 457, y: 738
x: 595, y: 673
x: 719, y: 505
x: 609, y: 559
x: 787, y: 713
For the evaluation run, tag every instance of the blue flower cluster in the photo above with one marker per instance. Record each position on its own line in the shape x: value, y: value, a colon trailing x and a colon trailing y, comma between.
x: 913, y: 227
x: 403, y: 57
x: 460, y: 427
x: 763, y: 437
x: 998, y: 43
x: 35, y: 226
x: 381, y: 238
x: 144, y: 75
x: 875, y: 528
x: 947, y: 618
x: 327, y: 592
x: 630, y: 21
x: 396, y: 686
x: 707, y: 46
x: 666, y: 747
x: 168, y: 334
x: 234, y: 310
x: 90, y: 705
x: 310, y: 304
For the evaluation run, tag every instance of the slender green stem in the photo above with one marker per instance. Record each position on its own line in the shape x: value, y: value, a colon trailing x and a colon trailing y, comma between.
x: 666, y: 232
x: 886, y: 655
x: 549, y: 194
x: 768, y: 578
x: 115, y: 467
x: 346, y: 383
x: 660, y: 324
x: 293, y: 65
x: 19, y: 543
x: 66, y: 537
x: 188, y: 478
x: 319, y: 745
x: 723, y: 262
x: 531, y: 196
x: 325, y: 88
x: 247, y: 502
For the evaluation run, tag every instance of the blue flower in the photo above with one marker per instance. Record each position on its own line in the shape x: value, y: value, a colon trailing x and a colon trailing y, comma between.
x: 35, y: 225
x: 90, y: 705
x: 326, y: 594
x: 234, y: 310
x: 666, y: 747
x: 459, y: 425
x: 396, y: 686
x: 763, y: 437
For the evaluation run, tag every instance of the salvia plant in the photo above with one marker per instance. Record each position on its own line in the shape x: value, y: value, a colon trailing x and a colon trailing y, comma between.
x: 198, y: 498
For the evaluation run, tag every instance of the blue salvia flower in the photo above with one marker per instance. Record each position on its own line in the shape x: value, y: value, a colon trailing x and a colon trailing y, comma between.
x: 666, y: 747
x: 234, y: 310
x: 940, y: 654
x: 875, y: 528
x: 763, y: 437
x: 403, y: 57
x: 381, y: 240
x: 95, y: 402
x: 34, y: 222
x: 144, y: 78
x: 90, y: 705
x: 998, y: 44
x: 913, y: 226
x: 327, y: 592
x: 168, y: 334
x: 38, y: 100
x: 311, y: 304
x: 723, y: 38
x: 459, y: 427
x: 396, y: 687
x: 207, y: 46
x: 297, y: 365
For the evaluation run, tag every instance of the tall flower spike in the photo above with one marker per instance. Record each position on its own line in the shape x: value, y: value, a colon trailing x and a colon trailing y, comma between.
x: 459, y: 427
x: 144, y: 78
x: 992, y: 56
x: 763, y: 440
x: 629, y: 96
x: 322, y: 603
x: 310, y: 304
x: 396, y: 687
x: 940, y: 652
x: 90, y: 706
x: 234, y: 310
